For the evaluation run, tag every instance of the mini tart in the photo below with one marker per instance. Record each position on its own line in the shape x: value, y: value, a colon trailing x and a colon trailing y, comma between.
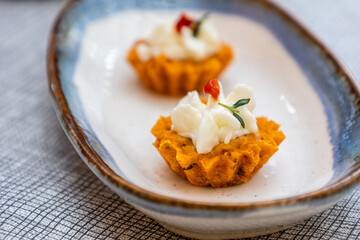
x: 177, y: 77
x: 227, y: 164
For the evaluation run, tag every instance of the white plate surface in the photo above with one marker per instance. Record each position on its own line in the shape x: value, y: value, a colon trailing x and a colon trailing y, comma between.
x: 122, y: 112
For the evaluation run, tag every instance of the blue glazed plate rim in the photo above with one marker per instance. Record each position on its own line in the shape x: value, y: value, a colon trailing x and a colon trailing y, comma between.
x: 80, y: 140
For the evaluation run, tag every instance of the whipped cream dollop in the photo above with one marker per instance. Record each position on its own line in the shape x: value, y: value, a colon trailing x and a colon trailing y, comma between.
x: 175, y: 45
x: 210, y: 124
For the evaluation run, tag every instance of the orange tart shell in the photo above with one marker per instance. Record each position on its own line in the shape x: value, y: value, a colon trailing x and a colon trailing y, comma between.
x: 177, y: 77
x: 227, y: 164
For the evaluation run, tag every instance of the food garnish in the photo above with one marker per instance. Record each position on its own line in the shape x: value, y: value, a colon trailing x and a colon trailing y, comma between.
x: 234, y: 111
x: 186, y: 21
x: 198, y: 23
x: 212, y: 87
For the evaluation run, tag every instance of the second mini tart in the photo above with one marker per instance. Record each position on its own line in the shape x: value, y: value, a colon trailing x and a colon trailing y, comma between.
x: 180, y: 57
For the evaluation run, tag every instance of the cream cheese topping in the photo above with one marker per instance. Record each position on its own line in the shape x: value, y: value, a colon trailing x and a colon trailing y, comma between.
x: 178, y: 46
x: 210, y: 124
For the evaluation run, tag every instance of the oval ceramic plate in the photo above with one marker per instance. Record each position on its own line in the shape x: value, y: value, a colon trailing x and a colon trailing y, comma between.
x: 108, y: 114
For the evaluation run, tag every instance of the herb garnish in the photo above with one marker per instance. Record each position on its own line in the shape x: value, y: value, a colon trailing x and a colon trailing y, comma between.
x: 234, y: 111
x: 189, y: 167
x: 197, y: 24
x: 186, y: 21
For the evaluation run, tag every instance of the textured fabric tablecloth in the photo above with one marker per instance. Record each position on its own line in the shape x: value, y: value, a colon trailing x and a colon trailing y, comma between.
x: 47, y: 192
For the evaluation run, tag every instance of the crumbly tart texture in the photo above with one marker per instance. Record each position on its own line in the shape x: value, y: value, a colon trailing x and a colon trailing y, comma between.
x: 227, y: 164
x: 177, y: 77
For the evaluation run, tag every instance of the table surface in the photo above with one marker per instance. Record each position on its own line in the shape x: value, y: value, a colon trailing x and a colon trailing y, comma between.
x: 47, y: 192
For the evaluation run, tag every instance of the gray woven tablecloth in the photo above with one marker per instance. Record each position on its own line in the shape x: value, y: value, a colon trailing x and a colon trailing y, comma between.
x: 47, y: 192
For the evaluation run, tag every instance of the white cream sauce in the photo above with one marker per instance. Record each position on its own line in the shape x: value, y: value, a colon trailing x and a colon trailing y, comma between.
x: 184, y: 45
x: 210, y: 124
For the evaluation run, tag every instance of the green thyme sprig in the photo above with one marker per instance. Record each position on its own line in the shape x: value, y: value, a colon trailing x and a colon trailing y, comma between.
x: 189, y: 167
x: 198, y: 23
x: 234, y: 111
